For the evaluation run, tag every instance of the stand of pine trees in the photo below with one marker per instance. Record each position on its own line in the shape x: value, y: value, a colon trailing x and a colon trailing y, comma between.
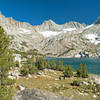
x: 82, y: 71
x: 39, y: 64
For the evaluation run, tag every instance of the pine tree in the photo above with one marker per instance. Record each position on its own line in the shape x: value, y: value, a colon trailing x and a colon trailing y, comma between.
x: 60, y: 66
x: 82, y: 71
x: 11, y: 58
x: 53, y: 64
x: 31, y: 61
x: 37, y: 62
x: 32, y: 54
x: 41, y: 65
x: 79, y: 71
x: 4, y: 57
x: 68, y: 71
x: 6, y: 61
x: 47, y: 63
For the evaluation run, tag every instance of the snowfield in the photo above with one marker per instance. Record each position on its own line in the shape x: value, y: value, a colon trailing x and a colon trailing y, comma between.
x: 23, y: 30
x: 49, y: 33
x: 54, y: 33
x: 69, y: 29
x: 92, y: 38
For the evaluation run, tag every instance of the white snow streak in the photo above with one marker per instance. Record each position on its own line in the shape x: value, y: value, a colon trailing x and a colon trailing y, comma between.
x: 92, y: 38
x: 69, y: 29
x: 89, y: 26
x: 49, y: 33
x: 23, y: 30
x: 53, y: 33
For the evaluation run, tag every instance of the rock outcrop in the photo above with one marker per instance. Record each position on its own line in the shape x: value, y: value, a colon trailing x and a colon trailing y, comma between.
x: 97, y: 21
x: 37, y: 95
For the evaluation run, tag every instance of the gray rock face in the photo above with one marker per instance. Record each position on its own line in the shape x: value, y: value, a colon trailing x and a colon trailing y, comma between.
x: 51, y: 39
x: 52, y: 26
x: 72, y: 24
x: 37, y: 95
x: 97, y: 21
x: 23, y: 35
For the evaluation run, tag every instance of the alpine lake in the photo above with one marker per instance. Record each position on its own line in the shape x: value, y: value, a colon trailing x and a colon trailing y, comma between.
x: 93, y: 64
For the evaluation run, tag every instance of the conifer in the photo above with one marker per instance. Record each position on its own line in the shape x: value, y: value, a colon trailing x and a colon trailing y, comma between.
x: 6, y: 61
x: 53, y: 64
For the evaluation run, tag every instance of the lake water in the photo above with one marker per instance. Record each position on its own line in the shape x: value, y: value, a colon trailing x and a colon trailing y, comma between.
x: 93, y: 64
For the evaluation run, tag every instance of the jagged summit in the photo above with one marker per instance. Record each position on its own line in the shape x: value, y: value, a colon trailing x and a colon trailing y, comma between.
x: 65, y: 40
x: 97, y: 20
x: 49, y: 21
x: 73, y: 24
x: 50, y: 25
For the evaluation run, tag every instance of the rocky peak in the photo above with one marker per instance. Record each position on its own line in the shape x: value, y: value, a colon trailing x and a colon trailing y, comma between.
x: 49, y: 25
x: 97, y: 20
x: 73, y: 24
x: 1, y: 16
x: 50, y: 37
x: 11, y: 23
x: 49, y: 22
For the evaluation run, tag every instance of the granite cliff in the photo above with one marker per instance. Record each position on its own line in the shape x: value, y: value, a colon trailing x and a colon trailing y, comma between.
x: 71, y: 39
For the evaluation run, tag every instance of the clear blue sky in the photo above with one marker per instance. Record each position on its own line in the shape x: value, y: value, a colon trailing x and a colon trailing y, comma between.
x: 60, y: 11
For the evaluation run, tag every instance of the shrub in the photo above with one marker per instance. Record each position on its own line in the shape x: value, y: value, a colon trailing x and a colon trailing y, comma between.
x: 33, y: 70
x: 10, y: 81
x: 24, y: 71
x: 17, y: 64
x: 6, y: 93
x: 76, y: 83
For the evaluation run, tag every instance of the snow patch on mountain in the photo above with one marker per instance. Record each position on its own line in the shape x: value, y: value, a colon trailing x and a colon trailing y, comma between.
x: 49, y: 33
x: 89, y: 26
x: 23, y: 30
x: 92, y: 38
x: 69, y: 29
x: 54, y: 33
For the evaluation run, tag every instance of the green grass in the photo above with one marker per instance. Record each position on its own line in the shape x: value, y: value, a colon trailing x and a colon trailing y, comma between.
x: 61, y: 87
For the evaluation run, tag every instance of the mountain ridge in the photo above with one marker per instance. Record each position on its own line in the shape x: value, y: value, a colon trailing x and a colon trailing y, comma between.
x: 51, y: 39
